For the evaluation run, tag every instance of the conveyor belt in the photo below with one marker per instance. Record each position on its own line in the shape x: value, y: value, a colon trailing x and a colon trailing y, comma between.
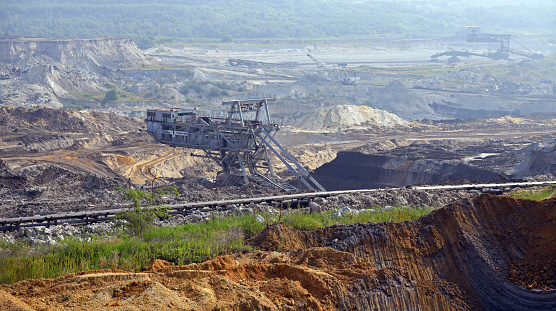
x: 9, y: 224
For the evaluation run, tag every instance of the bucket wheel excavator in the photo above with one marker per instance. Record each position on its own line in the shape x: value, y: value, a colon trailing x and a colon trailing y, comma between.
x: 502, y: 42
x: 240, y: 141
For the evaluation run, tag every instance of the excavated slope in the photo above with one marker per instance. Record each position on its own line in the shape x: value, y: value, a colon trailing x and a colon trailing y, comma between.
x: 491, y: 253
x: 347, y: 116
x: 95, y: 53
x: 356, y: 170
x: 48, y: 120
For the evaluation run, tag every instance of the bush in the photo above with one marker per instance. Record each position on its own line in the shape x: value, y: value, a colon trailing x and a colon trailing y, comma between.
x: 184, y: 90
x: 111, y: 95
x: 227, y: 39
x: 214, y: 92
x: 138, y: 218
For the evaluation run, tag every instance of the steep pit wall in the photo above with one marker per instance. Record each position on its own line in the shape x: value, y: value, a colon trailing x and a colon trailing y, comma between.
x: 46, y: 70
x: 91, y: 53
x: 538, y: 159
x: 490, y: 253
x: 354, y: 170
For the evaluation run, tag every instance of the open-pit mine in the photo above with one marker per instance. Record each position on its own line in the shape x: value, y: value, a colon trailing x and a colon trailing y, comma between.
x: 79, y: 118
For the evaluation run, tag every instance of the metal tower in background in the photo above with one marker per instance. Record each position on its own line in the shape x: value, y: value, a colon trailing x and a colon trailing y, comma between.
x: 239, y: 141
x: 503, y: 51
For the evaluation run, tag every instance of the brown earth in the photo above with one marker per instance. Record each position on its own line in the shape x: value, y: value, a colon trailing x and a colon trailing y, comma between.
x: 48, y: 120
x: 490, y: 253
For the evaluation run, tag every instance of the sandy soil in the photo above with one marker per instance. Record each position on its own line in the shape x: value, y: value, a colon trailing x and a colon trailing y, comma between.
x: 490, y: 253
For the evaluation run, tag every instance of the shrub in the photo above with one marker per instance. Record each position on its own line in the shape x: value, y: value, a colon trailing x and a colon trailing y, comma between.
x: 111, y: 95
x: 138, y: 218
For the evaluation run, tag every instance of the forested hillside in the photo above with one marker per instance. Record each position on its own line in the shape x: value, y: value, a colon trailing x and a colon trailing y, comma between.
x: 150, y: 20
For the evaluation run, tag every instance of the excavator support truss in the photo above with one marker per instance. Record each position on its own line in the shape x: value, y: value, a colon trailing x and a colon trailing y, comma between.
x: 238, y: 140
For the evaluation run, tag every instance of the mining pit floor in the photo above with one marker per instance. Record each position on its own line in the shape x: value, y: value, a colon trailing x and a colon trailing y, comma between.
x: 47, y: 169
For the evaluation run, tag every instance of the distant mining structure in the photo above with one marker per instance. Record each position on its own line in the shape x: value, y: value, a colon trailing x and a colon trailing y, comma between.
x: 238, y: 141
x: 503, y: 50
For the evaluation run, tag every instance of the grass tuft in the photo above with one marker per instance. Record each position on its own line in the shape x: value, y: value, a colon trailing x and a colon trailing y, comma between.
x: 535, y: 194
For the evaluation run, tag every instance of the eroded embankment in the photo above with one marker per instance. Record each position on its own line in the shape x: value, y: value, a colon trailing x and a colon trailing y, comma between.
x: 355, y: 170
x: 494, y: 253
x: 491, y: 253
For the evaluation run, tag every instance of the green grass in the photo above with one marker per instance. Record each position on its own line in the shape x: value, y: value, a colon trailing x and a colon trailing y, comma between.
x: 303, y: 221
x: 535, y: 194
x: 180, y: 245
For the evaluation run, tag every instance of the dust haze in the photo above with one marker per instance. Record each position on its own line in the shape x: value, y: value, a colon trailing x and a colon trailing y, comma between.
x: 385, y: 95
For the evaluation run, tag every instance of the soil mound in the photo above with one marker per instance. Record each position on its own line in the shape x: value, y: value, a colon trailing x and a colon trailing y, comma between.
x: 489, y: 253
x: 158, y: 264
x: 30, y: 188
x: 348, y: 116
x: 278, y: 237
x: 10, y: 303
x: 65, y: 121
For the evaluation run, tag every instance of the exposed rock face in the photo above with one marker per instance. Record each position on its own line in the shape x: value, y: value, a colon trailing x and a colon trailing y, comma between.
x: 91, y: 54
x: 354, y: 170
x: 347, y: 117
x: 466, y: 256
x: 537, y: 159
x: 40, y: 71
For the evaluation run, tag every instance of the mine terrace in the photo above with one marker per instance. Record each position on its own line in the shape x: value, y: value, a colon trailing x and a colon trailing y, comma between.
x: 213, y: 122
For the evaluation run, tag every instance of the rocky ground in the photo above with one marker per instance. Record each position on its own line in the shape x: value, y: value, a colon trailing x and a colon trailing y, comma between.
x: 49, y: 166
x: 476, y: 253
x: 45, y: 72
x: 469, y: 255
x: 192, y: 191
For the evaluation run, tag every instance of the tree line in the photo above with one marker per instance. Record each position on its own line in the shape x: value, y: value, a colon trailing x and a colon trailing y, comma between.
x: 149, y: 22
